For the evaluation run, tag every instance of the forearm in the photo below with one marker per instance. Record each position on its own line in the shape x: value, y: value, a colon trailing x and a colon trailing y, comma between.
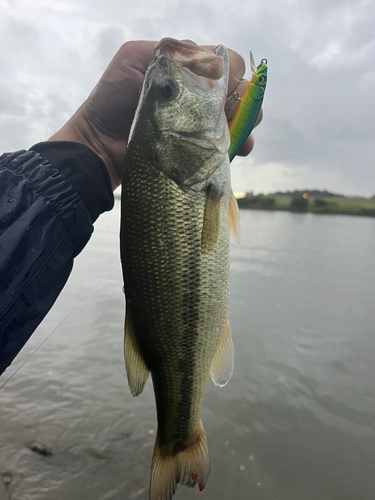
x: 44, y: 224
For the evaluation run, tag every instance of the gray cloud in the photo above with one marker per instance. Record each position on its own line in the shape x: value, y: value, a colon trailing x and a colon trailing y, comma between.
x: 319, y: 108
x: 108, y: 42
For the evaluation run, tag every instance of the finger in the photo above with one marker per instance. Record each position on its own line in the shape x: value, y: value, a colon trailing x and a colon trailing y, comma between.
x: 236, y: 83
x: 237, y: 70
x: 137, y: 55
x: 232, y: 105
x: 247, y: 146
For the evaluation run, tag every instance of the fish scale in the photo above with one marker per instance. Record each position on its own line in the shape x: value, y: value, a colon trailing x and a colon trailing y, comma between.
x: 154, y: 273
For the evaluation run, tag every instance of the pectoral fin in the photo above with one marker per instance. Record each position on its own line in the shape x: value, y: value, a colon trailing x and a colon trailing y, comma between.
x: 136, y: 368
x: 211, y: 220
x: 234, y: 219
x: 223, y: 363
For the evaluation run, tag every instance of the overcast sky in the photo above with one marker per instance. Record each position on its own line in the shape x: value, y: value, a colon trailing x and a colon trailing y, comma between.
x: 319, y: 109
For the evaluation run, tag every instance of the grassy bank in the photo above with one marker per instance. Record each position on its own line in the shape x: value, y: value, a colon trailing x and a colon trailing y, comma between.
x: 333, y: 204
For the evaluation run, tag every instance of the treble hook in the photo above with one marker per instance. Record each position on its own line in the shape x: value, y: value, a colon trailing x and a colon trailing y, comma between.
x: 240, y: 81
x: 235, y: 96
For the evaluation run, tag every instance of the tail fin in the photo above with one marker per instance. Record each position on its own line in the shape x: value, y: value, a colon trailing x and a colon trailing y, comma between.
x: 187, y: 467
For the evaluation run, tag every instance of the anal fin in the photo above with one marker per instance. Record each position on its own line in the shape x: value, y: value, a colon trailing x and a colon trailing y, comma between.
x: 223, y: 363
x: 136, y: 368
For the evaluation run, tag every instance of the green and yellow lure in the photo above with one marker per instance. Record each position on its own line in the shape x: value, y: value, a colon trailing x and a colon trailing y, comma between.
x: 248, y: 110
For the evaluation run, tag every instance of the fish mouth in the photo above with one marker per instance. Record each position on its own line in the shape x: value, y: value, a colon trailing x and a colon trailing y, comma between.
x: 199, y: 60
x: 197, y: 67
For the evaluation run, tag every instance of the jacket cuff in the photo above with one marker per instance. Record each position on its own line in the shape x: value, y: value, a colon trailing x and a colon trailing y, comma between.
x: 85, y: 171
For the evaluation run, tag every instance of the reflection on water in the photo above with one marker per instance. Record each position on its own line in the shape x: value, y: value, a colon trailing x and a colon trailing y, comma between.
x: 296, y: 422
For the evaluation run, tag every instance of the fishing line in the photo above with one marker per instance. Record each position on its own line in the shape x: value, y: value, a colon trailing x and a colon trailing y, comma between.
x: 61, y: 322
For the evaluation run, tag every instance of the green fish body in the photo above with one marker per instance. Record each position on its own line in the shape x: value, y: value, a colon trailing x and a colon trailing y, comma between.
x: 175, y: 229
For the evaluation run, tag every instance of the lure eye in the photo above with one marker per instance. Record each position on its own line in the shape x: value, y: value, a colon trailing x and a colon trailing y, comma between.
x: 262, y: 79
x: 168, y: 89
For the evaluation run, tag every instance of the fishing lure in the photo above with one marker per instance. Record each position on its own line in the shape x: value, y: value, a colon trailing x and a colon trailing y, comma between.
x: 248, y: 110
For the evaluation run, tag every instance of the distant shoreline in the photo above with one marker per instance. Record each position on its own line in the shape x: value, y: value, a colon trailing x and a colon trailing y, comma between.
x: 321, y: 205
x: 368, y: 213
x: 310, y: 202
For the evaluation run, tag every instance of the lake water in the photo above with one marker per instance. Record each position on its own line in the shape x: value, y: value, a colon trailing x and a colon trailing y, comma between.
x: 296, y: 421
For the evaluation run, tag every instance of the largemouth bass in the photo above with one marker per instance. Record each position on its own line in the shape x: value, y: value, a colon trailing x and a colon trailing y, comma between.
x: 176, y: 214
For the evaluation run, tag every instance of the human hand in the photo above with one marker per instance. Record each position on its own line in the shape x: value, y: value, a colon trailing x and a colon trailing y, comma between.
x: 103, y: 121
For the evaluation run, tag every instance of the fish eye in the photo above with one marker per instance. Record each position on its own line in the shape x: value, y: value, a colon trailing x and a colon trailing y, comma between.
x: 167, y: 89
x: 262, y: 79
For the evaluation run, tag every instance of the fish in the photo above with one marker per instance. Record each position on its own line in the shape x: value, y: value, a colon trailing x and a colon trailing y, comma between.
x: 177, y: 213
x: 248, y: 110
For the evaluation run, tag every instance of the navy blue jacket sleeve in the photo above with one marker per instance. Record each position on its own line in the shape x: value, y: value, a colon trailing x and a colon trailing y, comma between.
x: 49, y: 198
